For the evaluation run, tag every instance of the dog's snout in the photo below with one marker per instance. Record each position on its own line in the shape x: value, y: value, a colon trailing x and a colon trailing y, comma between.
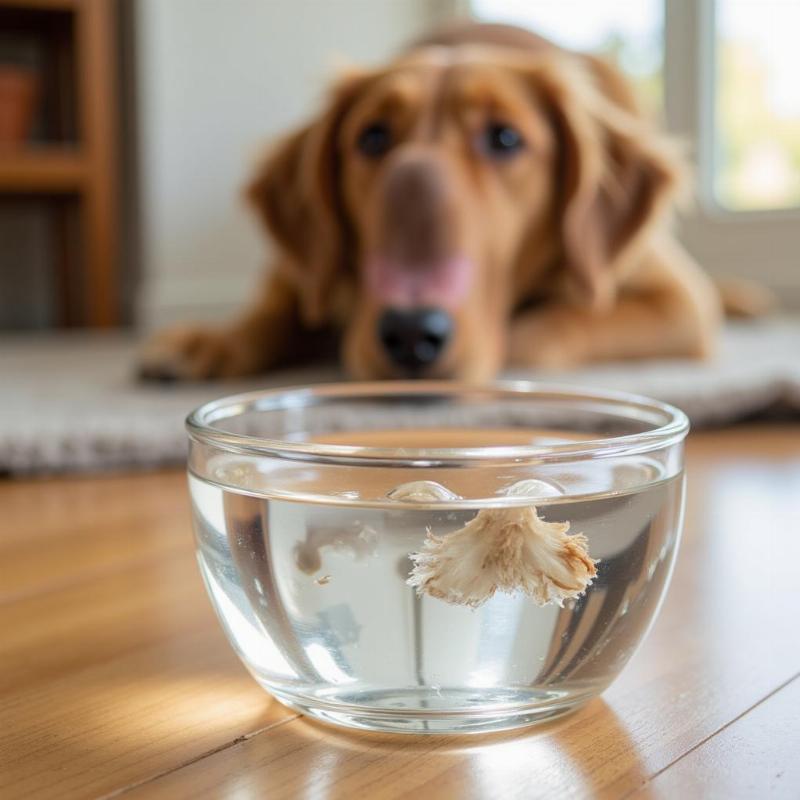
x: 415, y: 210
x: 414, y: 338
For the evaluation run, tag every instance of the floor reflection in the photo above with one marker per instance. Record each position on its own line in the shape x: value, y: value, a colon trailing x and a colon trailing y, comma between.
x: 550, y: 760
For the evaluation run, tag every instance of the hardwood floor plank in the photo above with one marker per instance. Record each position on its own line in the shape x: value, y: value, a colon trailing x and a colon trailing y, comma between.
x: 115, y: 677
x: 755, y: 756
x: 124, y: 719
x: 113, y: 667
x: 57, y: 531
x: 724, y: 641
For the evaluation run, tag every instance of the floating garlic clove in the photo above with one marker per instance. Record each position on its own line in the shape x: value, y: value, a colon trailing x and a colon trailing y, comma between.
x: 507, y: 550
x: 421, y: 492
x: 533, y: 488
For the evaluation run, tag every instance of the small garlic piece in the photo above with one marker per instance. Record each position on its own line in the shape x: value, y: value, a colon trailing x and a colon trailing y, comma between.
x: 357, y: 540
x: 533, y: 488
x: 507, y: 550
x: 421, y: 492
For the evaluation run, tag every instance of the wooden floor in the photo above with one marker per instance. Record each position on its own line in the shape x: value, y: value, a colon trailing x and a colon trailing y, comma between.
x: 115, y: 678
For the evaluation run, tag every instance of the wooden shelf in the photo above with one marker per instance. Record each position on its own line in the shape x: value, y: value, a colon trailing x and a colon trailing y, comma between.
x: 51, y: 169
x: 78, y: 40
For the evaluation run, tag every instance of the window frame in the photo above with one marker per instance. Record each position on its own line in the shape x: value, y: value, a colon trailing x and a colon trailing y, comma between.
x: 760, y: 244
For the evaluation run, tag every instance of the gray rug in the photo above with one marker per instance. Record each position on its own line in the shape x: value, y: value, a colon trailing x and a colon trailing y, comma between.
x: 69, y: 403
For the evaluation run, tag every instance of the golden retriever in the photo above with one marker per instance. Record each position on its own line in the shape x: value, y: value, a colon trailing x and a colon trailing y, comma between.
x: 487, y: 198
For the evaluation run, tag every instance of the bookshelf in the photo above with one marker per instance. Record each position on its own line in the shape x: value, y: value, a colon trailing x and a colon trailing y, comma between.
x: 69, y: 162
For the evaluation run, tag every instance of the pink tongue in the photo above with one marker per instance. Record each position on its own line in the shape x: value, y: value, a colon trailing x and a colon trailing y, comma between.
x: 443, y: 284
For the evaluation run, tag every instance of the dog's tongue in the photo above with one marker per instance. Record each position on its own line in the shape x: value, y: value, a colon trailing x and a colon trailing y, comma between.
x: 443, y: 283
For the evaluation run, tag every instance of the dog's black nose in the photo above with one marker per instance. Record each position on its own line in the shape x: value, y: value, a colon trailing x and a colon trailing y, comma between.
x: 414, y: 338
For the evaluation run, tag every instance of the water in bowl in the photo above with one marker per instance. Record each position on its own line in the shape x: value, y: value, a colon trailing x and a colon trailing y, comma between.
x: 315, y: 600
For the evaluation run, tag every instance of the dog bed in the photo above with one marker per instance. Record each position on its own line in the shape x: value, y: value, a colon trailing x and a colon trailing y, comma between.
x: 69, y: 403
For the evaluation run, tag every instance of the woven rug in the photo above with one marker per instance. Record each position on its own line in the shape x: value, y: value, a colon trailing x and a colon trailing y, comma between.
x: 70, y: 403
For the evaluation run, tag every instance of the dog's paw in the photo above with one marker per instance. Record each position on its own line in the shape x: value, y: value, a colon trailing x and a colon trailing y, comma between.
x: 190, y: 353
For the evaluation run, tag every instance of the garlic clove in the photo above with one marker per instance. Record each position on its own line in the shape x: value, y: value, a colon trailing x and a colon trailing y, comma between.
x: 421, y: 492
x: 533, y: 488
x: 508, y: 550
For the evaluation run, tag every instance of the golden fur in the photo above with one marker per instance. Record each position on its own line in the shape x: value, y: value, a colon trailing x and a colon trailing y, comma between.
x: 574, y: 259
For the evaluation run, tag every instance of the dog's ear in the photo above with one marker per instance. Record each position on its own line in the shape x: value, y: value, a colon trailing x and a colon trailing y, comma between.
x: 296, y: 194
x: 616, y: 177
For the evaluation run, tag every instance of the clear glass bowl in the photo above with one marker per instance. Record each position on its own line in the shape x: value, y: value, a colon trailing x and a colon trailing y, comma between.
x: 307, y: 547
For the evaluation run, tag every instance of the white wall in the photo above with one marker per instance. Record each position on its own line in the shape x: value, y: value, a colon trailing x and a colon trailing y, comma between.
x: 216, y: 79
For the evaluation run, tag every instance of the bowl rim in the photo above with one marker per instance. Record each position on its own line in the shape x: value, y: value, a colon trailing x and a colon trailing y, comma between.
x: 672, y: 430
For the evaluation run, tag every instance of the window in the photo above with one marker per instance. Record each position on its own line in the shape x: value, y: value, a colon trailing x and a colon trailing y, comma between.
x: 757, y: 114
x: 725, y: 73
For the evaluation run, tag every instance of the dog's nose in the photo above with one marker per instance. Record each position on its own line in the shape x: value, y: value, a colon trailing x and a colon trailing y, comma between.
x: 414, y: 338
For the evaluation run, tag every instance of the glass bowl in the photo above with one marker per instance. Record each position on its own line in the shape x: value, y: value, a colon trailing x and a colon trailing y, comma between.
x: 430, y: 557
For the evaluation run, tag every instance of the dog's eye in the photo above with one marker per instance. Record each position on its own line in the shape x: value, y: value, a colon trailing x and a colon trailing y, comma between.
x: 501, y: 140
x: 375, y: 140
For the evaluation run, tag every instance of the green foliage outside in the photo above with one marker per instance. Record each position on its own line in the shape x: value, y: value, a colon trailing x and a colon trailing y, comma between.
x: 758, y: 150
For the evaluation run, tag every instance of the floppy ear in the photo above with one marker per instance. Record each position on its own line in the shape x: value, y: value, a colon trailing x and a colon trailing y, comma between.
x: 616, y: 176
x: 296, y: 194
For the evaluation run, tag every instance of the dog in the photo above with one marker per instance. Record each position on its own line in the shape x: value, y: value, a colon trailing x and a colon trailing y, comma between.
x: 485, y: 199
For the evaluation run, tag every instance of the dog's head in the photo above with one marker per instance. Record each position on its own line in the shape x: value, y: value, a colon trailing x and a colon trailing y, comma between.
x: 434, y: 197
